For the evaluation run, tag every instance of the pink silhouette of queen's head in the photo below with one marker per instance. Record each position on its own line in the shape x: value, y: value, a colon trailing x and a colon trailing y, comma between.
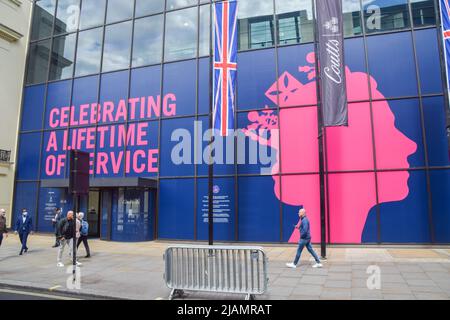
x: 350, y: 195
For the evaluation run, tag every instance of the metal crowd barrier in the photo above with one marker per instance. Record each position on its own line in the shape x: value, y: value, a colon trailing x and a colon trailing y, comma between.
x: 220, y: 269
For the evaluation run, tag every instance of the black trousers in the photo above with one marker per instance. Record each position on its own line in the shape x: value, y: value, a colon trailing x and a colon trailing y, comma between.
x: 1, y: 239
x: 85, y: 243
x: 57, y: 242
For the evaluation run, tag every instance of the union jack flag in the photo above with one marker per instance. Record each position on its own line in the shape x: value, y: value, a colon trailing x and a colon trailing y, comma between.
x: 445, y: 22
x: 225, y: 65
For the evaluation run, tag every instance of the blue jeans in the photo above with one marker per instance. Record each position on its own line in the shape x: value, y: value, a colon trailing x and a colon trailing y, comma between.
x: 301, y: 245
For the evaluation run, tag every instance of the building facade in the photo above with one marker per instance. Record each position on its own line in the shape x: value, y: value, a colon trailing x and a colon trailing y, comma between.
x: 14, y: 27
x: 128, y: 82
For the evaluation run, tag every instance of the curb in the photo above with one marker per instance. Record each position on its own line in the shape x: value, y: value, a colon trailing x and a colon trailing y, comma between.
x: 58, y: 292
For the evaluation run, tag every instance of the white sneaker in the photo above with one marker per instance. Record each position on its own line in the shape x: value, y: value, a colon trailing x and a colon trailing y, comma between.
x: 79, y: 263
x: 60, y: 264
x: 291, y: 265
x: 317, y: 265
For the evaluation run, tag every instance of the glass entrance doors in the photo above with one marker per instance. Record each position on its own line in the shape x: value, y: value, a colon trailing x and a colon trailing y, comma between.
x: 93, y: 213
x: 127, y: 214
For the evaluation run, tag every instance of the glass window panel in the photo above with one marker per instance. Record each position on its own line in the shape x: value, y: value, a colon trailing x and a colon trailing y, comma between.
x: 58, y: 97
x: 341, y: 142
x: 63, y: 51
x: 438, y: 140
x: 380, y: 15
x: 398, y: 134
x: 67, y: 16
x: 92, y: 13
x: 391, y: 62
x: 302, y: 123
x: 352, y: 17
x: 89, y: 52
x: 224, y: 214
x: 440, y: 188
x: 256, y: 198
x: 204, y: 104
x: 295, y: 84
x: 423, y: 12
x: 114, y: 89
x: 43, y: 15
x: 116, y: 54
x: 357, y: 79
x: 399, y: 192
x: 85, y: 91
x: 204, y: 30
x: 298, y: 190
x: 428, y: 60
x: 256, y: 25
x: 177, y: 222
x: 145, y: 82
x: 33, y: 108
x: 180, y: 81
x: 175, y: 4
x: 348, y: 222
x: 174, y: 166
x: 263, y: 128
x: 147, y: 45
x: 39, y: 54
x: 146, y: 7
x: 260, y: 65
x: 28, y: 158
x: 294, y: 21
x: 181, y: 34
x: 119, y: 10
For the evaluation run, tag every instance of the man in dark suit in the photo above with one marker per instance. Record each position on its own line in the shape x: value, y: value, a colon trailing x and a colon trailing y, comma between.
x: 24, y: 226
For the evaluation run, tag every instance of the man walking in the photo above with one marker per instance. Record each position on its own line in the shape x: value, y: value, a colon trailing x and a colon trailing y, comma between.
x: 24, y: 226
x: 84, y: 234
x: 65, y: 236
x: 305, y: 241
x: 3, y: 230
x: 56, y: 219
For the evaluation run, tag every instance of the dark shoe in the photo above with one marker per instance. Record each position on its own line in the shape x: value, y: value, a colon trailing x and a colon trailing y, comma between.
x: 55, y: 246
x: 21, y: 252
x: 26, y: 250
x: 88, y: 256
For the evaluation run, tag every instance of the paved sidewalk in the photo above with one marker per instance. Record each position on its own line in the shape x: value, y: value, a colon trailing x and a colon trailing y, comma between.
x: 135, y: 271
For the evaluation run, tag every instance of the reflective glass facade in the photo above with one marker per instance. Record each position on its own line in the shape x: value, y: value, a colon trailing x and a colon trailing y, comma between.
x: 117, y: 78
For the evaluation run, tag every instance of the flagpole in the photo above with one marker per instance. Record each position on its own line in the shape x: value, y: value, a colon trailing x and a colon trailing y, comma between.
x: 211, y: 107
x: 323, y: 247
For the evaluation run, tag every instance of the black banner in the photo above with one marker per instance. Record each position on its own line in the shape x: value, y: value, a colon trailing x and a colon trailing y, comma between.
x: 330, y: 29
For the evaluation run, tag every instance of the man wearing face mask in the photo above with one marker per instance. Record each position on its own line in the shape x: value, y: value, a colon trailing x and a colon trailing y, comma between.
x: 3, y: 230
x: 24, y: 226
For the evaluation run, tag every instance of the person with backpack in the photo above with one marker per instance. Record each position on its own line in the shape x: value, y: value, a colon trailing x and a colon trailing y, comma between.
x: 65, y: 230
x: 84, y: 234
x: 55, y: 221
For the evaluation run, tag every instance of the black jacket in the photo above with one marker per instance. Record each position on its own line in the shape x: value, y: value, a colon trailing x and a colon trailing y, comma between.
x: 65, y: 228
x: 3, y: 225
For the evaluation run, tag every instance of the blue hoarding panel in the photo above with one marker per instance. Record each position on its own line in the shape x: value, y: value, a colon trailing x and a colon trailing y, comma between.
x: 259, y: 210
x: 28, y: 162
x: 224, y: 210
x: 176, y: 209
x: 33, y: 108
